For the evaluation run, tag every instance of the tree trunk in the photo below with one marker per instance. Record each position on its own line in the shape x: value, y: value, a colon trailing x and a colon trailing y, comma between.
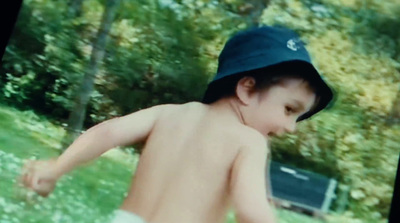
x: 252, y: 11
x: 394, y: 116
x: 78, y: 113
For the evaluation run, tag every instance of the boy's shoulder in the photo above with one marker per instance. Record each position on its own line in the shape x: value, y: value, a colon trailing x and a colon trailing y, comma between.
x: 239, y: 138
x: 246, y: 136
x: 163, y: 109
x: 253, y: 141
x: 178, y: 113
x: 171, y: 107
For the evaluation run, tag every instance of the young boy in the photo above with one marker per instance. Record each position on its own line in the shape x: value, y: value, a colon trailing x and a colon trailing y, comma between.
x: 201, y: 158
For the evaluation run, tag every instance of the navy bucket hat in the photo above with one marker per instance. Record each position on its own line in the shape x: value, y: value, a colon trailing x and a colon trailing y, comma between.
x: 265, y: 47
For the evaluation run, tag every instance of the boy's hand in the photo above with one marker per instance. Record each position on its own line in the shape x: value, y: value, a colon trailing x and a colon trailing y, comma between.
x: 39, y: 176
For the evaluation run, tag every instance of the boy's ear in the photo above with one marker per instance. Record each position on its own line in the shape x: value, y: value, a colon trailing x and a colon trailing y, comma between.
x: 245, y: 88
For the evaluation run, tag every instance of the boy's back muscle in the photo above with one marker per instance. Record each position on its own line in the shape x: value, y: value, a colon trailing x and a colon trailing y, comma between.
x: 184, y: 170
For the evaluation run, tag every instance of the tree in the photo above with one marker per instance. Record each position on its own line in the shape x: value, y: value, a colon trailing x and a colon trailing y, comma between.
x: 77, y: 115
x: 394, y: 117
x: 252, y: 10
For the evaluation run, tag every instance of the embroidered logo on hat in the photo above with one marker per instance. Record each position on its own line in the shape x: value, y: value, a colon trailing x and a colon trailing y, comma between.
x: 293, y: 44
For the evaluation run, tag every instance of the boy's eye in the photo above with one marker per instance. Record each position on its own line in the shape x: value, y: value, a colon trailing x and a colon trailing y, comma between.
x: 289, y: 110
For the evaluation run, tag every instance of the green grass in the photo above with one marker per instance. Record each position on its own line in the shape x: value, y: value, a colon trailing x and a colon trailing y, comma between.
x: 18, y: 141
x: 88, y: 194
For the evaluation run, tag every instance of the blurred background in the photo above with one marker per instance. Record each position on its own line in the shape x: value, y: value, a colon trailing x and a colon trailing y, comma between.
x: 72, y: 64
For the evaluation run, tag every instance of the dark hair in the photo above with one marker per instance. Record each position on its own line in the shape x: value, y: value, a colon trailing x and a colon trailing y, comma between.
x: 264, y: 77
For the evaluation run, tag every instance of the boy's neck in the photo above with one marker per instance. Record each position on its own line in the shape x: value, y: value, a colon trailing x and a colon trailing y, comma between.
x: 228, y: 109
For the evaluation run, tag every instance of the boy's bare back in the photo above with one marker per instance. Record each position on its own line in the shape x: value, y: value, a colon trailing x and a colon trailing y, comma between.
x: 189, y: 168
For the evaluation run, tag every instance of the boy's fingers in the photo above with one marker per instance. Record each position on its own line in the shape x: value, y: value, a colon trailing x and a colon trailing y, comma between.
x: 35, y: 182
x: 34, y: 177
x: 30, y: 177
x: 24, y: 179
x: 27, y: 167
x: 21, y: 180
x: 44, y: 192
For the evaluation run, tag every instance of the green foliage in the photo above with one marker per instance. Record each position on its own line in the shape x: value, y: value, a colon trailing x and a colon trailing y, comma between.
x: 146, y: 62
x: 355, y: 46
x: 382, y: 34
x: 41, y: 60
x: 156, y: 54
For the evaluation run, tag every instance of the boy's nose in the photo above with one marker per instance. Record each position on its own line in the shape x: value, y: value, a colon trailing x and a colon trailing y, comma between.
x: 291, y: 127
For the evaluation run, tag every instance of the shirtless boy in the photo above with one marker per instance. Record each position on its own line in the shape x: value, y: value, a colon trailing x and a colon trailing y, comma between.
x: 200, y: 159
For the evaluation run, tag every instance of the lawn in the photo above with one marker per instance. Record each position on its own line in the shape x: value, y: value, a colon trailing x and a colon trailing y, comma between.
x: 88, y: 194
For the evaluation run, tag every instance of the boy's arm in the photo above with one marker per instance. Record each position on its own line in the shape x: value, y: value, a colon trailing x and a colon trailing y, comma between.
x: 248, y: 184
x: 121, y: 131
x: 41, y: 176
x: 269, y: 186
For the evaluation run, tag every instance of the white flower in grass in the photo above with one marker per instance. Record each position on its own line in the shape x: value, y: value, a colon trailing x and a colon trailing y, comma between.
x: 7, y: 209
x: 12, y: 167
x: 57, y: 217
x: 357, y: 194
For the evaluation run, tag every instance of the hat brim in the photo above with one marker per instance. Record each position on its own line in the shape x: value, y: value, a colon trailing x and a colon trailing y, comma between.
x: 323, y: 91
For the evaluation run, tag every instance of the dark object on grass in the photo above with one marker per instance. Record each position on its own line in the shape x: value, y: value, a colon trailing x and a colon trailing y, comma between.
x: 301, y: 190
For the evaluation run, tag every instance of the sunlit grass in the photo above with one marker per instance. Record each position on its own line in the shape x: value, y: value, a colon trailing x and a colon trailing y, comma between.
x: 88, y: 194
